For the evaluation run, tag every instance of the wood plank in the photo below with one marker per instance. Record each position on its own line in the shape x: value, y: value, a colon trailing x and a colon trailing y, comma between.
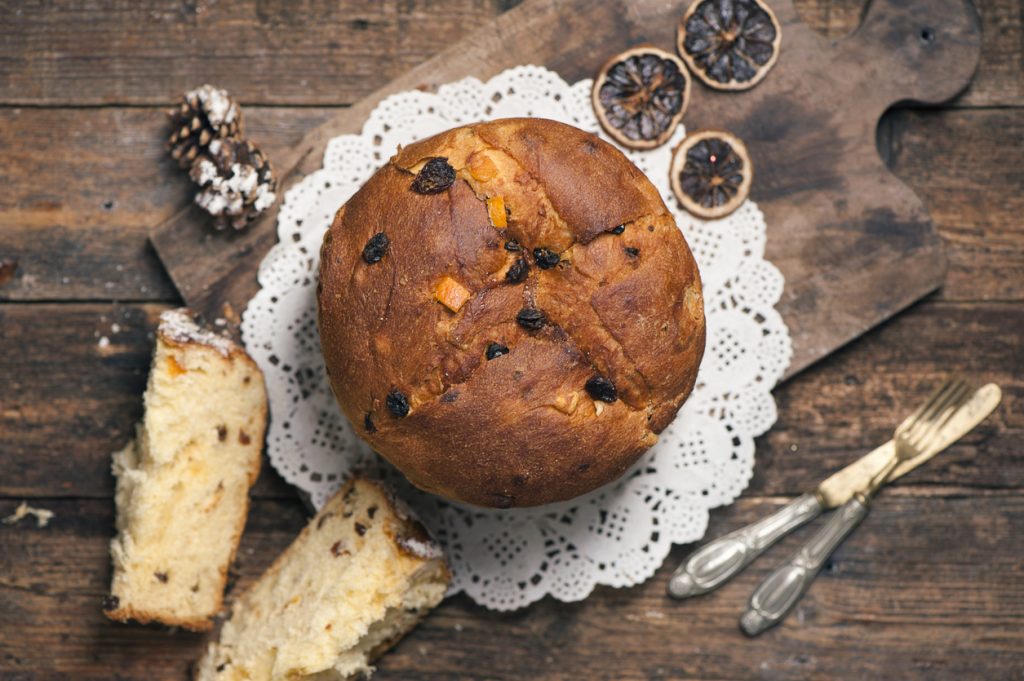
x: 67, y: 403
x: 319, y: 53
x: 276, y: 52
x: 997, y: 81
x: 82, y: 187
x: 972, y: 190
x: 970, y: 184
x: 832, y: 18
x: 928, y: 588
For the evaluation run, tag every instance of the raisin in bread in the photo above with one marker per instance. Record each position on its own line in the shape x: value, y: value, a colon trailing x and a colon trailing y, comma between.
x: 183, y: 483
x: 358, y: 577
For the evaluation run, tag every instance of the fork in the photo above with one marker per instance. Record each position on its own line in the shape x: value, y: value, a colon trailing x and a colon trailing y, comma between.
x: 781, y: 590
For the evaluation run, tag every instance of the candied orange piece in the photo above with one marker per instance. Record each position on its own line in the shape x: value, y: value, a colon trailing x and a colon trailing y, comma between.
x: 567, y: 403
x: 175, y: 369
x: 496, y: 209
x: 451, y: 294
x: 482, y: 168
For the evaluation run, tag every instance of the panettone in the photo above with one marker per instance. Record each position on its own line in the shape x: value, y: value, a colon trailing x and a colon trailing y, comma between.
x: 183, y: 482
x: 508, y: 312
x: 362, y: 574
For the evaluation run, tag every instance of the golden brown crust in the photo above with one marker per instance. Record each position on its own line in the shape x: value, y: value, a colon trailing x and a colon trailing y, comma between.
x: 519, y: 429
x: 128, y: 614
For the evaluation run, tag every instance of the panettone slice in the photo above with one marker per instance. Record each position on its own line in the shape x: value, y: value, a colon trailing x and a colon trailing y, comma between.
x: 183, y: 483
x: 360, y: 575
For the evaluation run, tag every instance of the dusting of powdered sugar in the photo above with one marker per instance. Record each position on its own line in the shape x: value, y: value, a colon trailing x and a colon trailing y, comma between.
x: 401, y: 509
x: 219, y: 107
x: 205, y: 171
x: 243, y: 178
x: 427, y: 550
x: 264, y: 198
x: 423, y: 546
x: 178, y: 326
x: 227, y: 195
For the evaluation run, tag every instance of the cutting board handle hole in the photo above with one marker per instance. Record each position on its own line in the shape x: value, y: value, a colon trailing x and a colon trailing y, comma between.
x: 926, y: 35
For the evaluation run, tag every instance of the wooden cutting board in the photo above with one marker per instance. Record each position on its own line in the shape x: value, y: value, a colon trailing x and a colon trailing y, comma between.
x: 854, y: 243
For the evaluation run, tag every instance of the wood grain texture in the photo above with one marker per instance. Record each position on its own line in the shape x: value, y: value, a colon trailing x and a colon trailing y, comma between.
x: 262, y: 51
x: 58, y: 441
x: 982, y: 228
x: 95, y: 235
x: 91, y: 243
x: 854, y: 243
x: 318, y: 53
x: 892, y: 603
x: 998, y: 81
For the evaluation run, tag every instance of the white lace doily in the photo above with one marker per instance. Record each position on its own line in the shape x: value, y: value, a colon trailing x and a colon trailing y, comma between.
x: 618, y: 535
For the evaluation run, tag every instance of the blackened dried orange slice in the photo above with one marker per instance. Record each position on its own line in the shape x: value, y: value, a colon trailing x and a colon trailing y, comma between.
x: 711, y: 173
x: 640, y: 96
x: 729, y: 44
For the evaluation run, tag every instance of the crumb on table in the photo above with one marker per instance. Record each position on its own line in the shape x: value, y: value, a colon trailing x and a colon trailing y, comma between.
x: 42, y: 515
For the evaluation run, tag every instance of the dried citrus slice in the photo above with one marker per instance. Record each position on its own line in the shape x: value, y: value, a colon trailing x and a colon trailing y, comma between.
x: 640, y: 96
x: 729, y: 44
x: 711, y: 173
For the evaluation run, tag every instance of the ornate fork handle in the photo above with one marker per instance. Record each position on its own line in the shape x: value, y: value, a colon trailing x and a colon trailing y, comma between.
x: 780, y: 591
x: 715, y: 563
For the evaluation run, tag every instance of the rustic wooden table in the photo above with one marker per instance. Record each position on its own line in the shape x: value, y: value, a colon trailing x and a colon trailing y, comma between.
x: 931, y: 587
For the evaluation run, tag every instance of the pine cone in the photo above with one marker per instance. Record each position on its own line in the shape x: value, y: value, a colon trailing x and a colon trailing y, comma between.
x: 205, y: 114
x: 236, y: 182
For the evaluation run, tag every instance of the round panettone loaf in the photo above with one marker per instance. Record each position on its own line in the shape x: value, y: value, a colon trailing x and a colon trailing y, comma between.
x: 508, y: 312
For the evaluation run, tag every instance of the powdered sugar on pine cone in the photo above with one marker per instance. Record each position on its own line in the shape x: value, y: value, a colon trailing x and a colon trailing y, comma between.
x: 236, y: 182
x: 205, y: 114
x: 219, y: 107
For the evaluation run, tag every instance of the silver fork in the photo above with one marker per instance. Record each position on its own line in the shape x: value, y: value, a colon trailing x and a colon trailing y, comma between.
x: 781, y: 590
